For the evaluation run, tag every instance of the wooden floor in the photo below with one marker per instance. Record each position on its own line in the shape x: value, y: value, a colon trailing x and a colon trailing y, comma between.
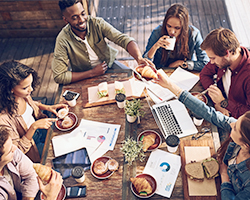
x: 136, y: 18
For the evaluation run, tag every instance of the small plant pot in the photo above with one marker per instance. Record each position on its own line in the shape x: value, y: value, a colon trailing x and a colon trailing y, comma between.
x: 131, y: 119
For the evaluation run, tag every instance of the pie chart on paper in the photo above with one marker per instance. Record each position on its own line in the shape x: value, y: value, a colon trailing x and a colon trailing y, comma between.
x: 101, y: 138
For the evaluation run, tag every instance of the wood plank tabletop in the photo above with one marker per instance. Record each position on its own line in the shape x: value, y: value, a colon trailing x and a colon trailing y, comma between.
x: 118, y: 185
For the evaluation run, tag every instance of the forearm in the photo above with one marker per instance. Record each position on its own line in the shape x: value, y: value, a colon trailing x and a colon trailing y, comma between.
x: 152, y: 51
x: 134, y: 51
x: 78, y: 76
x: 28, y: 198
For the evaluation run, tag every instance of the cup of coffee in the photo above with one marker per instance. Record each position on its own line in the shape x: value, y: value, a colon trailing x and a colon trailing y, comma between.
x: 120, y: 100
x: 197, y: 119
x: 172, y: 142
x: 78, y: 174
x: 171, y: 40
x: 70, y: 98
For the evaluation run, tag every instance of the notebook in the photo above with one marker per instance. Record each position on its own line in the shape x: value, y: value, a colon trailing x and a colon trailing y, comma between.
x: 172, y: 118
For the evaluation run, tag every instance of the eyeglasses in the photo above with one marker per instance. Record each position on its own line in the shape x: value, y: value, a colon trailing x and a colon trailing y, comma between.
x: 201, y: 133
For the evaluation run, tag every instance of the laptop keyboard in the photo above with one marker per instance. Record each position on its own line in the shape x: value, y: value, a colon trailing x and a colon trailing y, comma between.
x: 169, y: 122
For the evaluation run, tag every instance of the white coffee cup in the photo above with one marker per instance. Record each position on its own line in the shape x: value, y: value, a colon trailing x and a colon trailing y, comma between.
x: 197, y: 121
x: 171, y: 40
x: 120, y: 100
x: 172, y: 142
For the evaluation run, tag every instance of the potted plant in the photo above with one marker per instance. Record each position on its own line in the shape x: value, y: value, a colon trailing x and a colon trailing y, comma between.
x: 133, y: 110
x: 132, y: 150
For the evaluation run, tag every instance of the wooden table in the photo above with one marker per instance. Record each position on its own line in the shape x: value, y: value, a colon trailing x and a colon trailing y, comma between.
x: 118, y: 185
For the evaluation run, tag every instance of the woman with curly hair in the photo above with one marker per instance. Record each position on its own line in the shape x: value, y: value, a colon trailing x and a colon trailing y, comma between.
x: 22, y: 115
x: 188, y: 41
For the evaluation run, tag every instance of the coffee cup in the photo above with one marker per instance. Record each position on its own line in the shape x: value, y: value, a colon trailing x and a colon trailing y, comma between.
x: 197, y: 120
x: 171, y: 40
x: 78, y: 174
x: 70, y: 98
x: 120, y: 100
x: 172, y: 142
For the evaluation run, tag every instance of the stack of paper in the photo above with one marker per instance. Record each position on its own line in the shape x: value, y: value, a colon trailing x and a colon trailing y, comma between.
x: 97, y: 137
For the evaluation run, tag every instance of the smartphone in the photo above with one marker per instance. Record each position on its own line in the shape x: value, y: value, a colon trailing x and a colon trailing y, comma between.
x: 74, y: 94
x: 76, y: 191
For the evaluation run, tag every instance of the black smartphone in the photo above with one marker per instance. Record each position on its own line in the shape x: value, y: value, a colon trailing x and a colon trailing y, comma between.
x: 76, y: 191
x: 75, y: 95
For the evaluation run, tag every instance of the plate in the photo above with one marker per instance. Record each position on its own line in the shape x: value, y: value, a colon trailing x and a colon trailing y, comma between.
x: 59, y: 122
x: 201, y: 96
x: 142, y: 66
x: 61, y: 195
x: 151, y: 181
x: 158, y: 140
x: 106, y: 174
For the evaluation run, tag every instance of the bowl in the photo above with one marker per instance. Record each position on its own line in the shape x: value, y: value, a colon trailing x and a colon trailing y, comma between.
x: 61, y: 195
x: 106, y: 174
x: 151, y: 181
x: 200, y: 96
x: 138, y: 70
x: 158, y: 139
x: 58, y: 123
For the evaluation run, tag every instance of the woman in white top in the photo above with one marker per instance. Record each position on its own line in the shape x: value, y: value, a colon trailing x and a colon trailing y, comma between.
x: 18, y: 112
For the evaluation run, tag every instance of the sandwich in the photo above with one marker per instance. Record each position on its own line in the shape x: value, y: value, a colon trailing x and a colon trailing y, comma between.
x: 103, y: 89
x: 43, y: 172
x: 208, y: 168
x: 148, y: 72
x: 194, y: 171
x: 211, y: 168
x: 119, y: 87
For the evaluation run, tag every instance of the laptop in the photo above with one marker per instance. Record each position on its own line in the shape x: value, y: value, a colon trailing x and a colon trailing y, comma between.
x: 172, y: 118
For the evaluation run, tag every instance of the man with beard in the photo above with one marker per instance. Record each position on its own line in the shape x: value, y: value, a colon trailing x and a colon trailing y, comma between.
x: 81, y: 45
x: 230, y: 91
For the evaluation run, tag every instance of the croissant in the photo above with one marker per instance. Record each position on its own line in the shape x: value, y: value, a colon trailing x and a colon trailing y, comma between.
x: 141, y: 185
x: 148, y: 140
x: 44, y: 172
x: 148, y: 72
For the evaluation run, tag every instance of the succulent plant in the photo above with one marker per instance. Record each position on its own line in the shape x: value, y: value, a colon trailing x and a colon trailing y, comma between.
x: 133, y: 108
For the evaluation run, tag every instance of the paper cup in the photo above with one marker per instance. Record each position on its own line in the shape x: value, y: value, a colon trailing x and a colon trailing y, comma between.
x: 78, y: 174
x: 120, y: 100
x: 172, y: 142
x: 197, y: 121
x: 171, y: 40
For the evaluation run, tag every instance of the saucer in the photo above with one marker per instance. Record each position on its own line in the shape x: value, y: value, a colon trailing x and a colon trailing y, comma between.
x: 58, y: 123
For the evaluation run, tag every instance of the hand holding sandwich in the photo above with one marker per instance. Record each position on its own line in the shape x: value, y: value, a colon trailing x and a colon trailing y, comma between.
x: 52, y: 189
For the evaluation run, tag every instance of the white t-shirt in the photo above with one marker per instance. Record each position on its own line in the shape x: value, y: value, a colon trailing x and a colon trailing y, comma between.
x: 94, y: 60
x: 226, y: 79
x: 27, y: 115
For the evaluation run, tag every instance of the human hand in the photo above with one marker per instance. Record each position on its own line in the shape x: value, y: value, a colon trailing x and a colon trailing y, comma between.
x: 223, y: 173
x: 54, y: 108
x: 99, y: 69
x: 162, y: 80
x: 44, y: 123
x: 52, y: 189
x: 176, y: 64
x: 224, y: 111
x: 215, y: 94
x: 163, y: 42
x: 145, y: 61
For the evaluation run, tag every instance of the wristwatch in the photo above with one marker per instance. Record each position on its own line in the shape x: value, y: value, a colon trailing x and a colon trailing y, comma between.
x: 184, y: 64
x: 224, y: 103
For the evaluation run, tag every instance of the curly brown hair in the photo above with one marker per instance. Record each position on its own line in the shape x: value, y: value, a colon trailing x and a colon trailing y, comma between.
x: 11, y: 73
